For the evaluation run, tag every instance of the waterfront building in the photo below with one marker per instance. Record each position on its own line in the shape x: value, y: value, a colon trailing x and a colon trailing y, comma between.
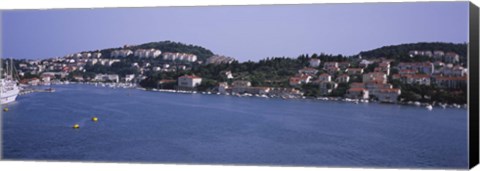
x: 357, y: 93
x: 129, y: 77
x: 388, y: 95
x: 223, y: 88
x: 327, y: 87
x: 107, y: 77
x: 189, y: 81
x: 241, y: 83
x: 374, y: 88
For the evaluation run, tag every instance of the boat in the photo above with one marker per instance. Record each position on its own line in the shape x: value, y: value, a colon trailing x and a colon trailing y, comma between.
x: 9, y: 88
x: 429, y: 107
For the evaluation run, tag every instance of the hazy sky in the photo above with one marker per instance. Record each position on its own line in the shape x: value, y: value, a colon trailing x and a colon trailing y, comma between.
x: 243, y: 32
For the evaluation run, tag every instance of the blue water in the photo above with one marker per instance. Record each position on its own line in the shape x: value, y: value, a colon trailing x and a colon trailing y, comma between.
x: 143, y: 126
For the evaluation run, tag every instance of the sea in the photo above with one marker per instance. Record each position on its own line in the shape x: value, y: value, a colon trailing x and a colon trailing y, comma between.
x: 138, y: 126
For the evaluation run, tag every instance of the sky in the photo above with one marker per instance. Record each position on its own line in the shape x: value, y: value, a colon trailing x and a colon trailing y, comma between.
x: 242, y: 32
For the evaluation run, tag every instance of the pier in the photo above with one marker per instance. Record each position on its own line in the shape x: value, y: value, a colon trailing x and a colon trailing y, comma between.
x: 28, y: 91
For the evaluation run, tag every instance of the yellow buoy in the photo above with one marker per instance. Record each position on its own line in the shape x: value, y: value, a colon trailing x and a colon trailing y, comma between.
x: 95, y: 119
x: 5, y: 109
x: 76, y: 126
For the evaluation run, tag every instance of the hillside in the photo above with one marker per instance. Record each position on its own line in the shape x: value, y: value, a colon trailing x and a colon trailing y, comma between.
x: 401, y: 51
x: 168, y: 46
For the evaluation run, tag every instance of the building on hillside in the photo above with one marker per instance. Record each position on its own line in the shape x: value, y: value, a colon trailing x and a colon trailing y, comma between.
x: 450, y: 82
x: 218, y: 59
x: 354, y: 71
x: 324, y: 77
x: 299, y: 80
x: 418, y: 79
x: 308, y: 71
x: 343, y: 65
x: 376, y: 77
x: 314, y: 62
x: 147, y: 53
x: 179, y: 56
x: 420, y: 67
x: 344, y: 78
x: 451, y: 57
x: 121, y: 53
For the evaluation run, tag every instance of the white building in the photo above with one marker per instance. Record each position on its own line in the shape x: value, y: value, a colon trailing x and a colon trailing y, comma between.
x: 314, y: 62
x: 308, y: 71
x: 344, y: 78
x: 86, y: 55
x: 179, y: 56
x: 388, y: 95
x: 107, y: 77
x: 189, y: 81
x: 97, y: 55
x: 357, y: 93
x: 419, y: 79
x: 451, y: 57
x: 217, y: 59
x: 376, y: 77
x: 324, y: 77
x: 330, y: 65
x: 121, y: 53
x: 147, y: 53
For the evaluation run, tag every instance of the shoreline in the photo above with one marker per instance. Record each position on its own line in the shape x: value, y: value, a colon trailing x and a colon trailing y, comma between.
x: 337, y: 99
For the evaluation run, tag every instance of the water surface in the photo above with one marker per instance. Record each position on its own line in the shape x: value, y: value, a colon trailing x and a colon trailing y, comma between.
x: 143, y: 126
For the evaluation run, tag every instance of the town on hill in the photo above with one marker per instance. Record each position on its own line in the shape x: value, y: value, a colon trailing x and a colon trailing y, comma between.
x: 418, y: 72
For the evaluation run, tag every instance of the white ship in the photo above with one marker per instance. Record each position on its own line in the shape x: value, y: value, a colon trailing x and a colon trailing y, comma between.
x: 8, y: 88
